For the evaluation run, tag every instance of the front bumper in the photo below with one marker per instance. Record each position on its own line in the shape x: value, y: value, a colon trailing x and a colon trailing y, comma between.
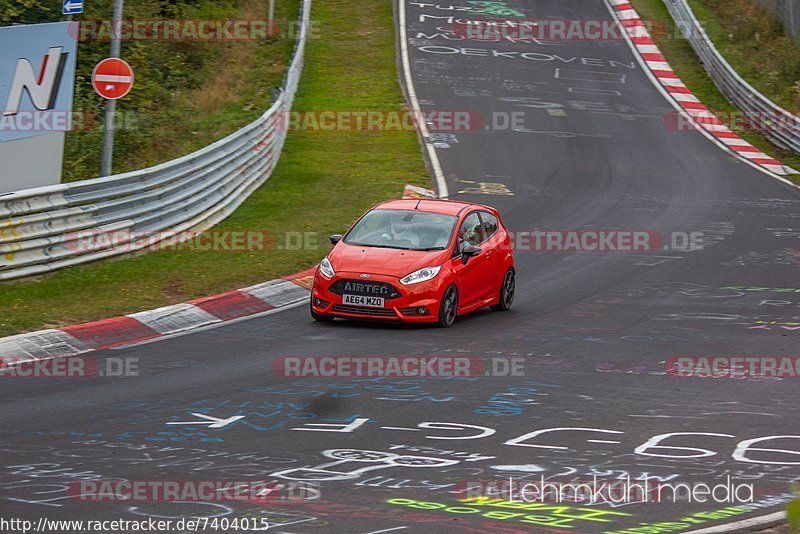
x: 406, y: 307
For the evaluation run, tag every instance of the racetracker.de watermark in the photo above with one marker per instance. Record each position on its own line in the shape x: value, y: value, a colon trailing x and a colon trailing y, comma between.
x: 754, y: 121
x: 191, y: 30
x: 736, y: 367
x: 191, y: 241
x: 545, y: 31
x: 439, y: 121
x: 604, y: 241
x: 68, y: 367
x: 539, y: 30
x: 54, y: 120
x: 396, y: 366
x: 191, y: 491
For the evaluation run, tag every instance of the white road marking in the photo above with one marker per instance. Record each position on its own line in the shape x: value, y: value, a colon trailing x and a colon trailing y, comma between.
x: 441, y: 183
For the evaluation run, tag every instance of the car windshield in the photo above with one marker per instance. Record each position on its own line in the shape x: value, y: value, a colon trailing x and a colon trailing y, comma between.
x: 402, y: 229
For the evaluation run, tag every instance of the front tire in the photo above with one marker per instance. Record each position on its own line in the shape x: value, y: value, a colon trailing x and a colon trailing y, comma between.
x: 448, y: 307
x: 319, y: 317
x: 507, y: 290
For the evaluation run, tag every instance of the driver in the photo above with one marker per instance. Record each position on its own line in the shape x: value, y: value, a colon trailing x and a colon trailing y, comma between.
x: 403, y: 231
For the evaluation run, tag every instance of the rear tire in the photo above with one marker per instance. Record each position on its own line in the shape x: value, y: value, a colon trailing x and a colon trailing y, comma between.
x: 448, y: 307
x: 507, y: 290
x: 319, y: 317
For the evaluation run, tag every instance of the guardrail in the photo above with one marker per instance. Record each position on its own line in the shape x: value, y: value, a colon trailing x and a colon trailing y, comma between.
x: 786, y: 130
x: 45, y: 229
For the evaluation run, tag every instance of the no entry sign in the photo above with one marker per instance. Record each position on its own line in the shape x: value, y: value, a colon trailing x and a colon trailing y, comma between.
x: 112, y: 78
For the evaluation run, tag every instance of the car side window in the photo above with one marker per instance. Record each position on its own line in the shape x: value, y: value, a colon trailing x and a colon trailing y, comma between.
x: 471, y: 230
x: 490, y: 224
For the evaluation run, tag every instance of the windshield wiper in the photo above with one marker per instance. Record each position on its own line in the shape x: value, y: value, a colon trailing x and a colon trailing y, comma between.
x: 428, y: 249
x: 379, y: 246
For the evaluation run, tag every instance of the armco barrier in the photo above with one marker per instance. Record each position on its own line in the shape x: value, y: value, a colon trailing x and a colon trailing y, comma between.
x: 38, y: 227
x: 786, y: 133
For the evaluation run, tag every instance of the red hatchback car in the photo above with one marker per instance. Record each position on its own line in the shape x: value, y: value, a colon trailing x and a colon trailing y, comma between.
x: 417, y: 261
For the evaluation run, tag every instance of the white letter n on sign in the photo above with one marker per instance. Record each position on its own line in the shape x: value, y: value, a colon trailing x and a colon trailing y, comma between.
x: 42, y: 89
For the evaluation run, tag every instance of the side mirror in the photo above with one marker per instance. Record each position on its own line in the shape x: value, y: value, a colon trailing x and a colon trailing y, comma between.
x: 467, y: 251
x: 335, y: 238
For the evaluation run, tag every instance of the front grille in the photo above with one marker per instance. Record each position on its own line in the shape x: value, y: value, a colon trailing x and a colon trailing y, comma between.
x: 362, y: 310
x: 368, y: 289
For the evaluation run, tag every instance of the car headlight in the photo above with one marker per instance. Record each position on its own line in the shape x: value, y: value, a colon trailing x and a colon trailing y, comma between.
x: 326, y: 268
x: 420, y: 276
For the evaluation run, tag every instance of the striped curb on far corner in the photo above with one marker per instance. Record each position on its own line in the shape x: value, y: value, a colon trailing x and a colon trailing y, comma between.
x: 141, y: 326
x: 688, y: 102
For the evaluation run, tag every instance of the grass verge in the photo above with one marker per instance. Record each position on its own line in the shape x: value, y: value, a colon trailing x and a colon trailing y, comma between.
x: 753, y: 41
x: 683, y: 60
x: 324, y: 181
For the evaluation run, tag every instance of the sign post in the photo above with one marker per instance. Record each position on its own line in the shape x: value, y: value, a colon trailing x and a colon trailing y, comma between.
x: 111, y: 105
x: 271, y: 17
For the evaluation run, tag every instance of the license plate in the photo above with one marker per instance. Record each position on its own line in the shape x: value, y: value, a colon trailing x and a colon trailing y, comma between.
x: 361, y: 300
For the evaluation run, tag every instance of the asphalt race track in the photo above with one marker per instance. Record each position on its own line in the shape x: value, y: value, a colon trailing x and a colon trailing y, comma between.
x: 592, y: 331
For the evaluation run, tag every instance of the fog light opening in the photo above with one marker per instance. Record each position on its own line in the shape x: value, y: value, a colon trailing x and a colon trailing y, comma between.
x: 319, y: 303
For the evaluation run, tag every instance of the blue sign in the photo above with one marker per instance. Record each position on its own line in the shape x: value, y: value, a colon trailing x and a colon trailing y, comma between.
x: 37, y: 77
x: 71, y: 7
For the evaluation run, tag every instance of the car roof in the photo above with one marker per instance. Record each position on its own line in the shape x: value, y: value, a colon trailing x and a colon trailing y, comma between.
x: 445, y: 207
